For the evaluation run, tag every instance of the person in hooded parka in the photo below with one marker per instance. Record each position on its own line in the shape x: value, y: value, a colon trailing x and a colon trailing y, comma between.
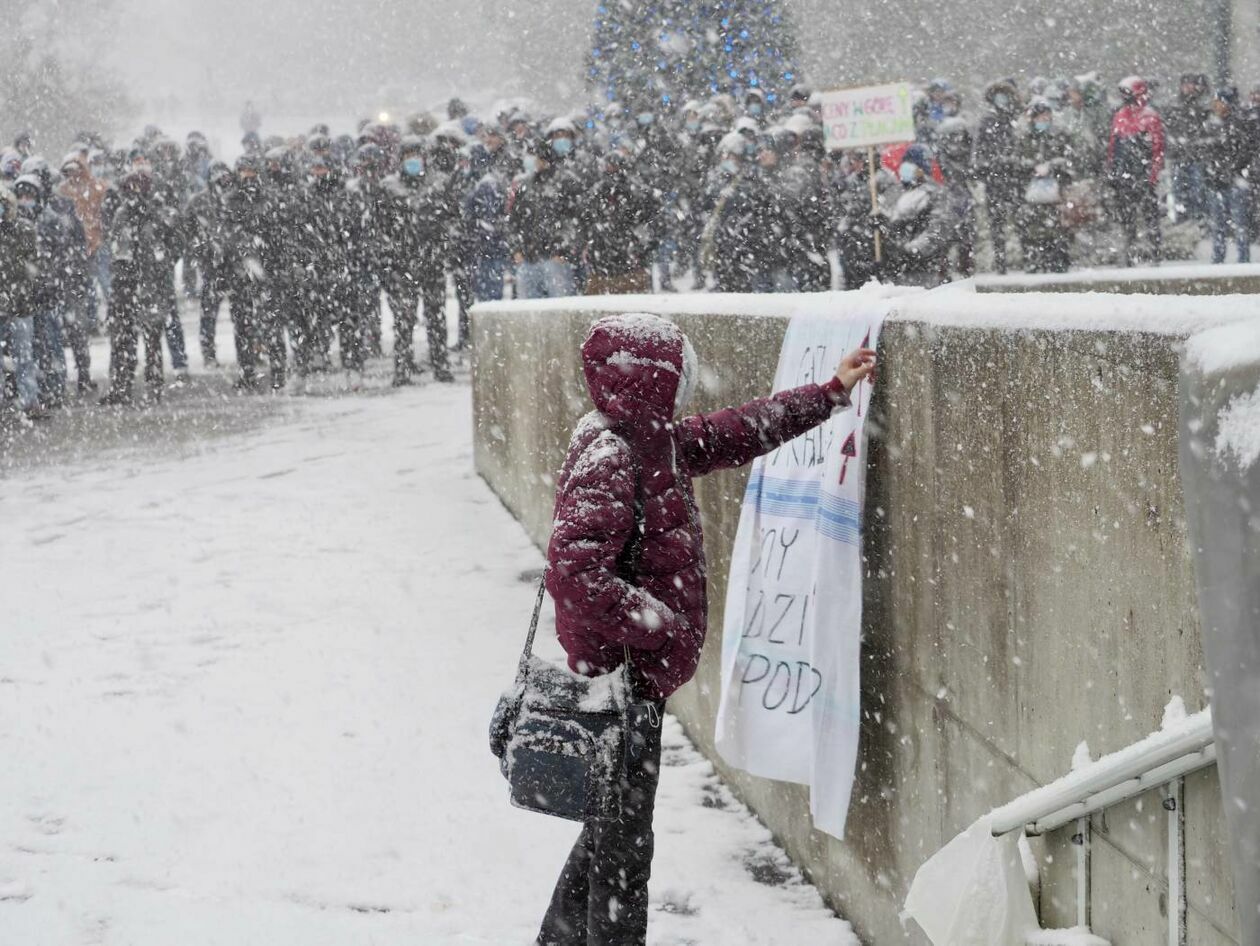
x: 626, y: 570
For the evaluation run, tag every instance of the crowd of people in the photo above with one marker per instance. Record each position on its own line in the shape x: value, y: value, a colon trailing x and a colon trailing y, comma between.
x: 307, y: 238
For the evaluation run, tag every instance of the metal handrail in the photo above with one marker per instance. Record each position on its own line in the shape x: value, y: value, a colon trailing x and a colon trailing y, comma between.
x: 1113, y: 778
x: 1162, y: 760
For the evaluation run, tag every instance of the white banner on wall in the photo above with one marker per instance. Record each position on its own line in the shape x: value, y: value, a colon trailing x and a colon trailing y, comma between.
x: 791, y: 639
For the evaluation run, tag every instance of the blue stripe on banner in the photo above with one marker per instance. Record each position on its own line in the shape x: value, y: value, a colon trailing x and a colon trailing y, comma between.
x: 833, y: 516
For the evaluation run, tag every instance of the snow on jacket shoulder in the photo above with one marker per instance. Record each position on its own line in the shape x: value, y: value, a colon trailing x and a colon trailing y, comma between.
x: 629, y: 468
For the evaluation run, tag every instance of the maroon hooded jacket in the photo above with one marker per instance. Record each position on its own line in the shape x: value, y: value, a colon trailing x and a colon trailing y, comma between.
x: 649, y: 594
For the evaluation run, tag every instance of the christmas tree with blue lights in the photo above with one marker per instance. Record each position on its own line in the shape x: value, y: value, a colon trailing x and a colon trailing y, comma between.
x: 667, y: 51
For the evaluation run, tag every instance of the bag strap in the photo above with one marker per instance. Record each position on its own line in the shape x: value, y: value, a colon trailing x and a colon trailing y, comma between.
x: 522, y: 669
x: 636, y: 542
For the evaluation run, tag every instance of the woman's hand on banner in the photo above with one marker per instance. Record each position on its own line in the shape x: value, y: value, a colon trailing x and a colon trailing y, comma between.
x: 856, y: 366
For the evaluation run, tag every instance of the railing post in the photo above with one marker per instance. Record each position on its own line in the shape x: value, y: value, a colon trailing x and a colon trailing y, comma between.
x: 1178, y: 900
x: 1084, y: 882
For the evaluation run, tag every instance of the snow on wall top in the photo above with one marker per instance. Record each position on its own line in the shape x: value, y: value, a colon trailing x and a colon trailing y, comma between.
x: 955, y: 305
x: 1183, y: 271
x: 1223, y: 349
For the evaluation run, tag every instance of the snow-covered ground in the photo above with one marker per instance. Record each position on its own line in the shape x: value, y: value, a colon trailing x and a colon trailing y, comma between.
x: 245, y: 677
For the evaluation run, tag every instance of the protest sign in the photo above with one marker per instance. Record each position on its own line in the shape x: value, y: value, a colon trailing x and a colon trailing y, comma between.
x: 865, y: 117
x: 790, y: 651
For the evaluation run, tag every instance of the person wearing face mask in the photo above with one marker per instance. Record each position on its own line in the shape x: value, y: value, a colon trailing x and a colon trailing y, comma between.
x: 420, y: 212
x: 996, y: 164
x: 18, y: 273
x: 1048, y: 158
x: 639, y: 450
x: 543, y: 218
x: 918, y: 233
x: 658, y: 155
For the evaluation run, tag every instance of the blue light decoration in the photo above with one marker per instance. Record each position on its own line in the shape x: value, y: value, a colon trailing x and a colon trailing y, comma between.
x: 695, y: 48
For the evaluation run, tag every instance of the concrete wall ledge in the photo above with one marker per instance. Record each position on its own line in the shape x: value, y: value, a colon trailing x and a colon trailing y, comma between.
x: 1028, y: 581
x: 1186, y: 279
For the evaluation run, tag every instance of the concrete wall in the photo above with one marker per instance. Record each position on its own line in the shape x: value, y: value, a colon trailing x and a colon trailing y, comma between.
x: 1029, y: 588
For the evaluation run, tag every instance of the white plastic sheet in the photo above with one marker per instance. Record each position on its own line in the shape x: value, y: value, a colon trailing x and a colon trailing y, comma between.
x: 973, y: 892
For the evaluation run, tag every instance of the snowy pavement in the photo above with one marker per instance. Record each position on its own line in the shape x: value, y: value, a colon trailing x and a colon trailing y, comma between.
x: 245, y: 678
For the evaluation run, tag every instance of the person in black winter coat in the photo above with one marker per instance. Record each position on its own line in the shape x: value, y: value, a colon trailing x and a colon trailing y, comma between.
x: 61, y: 285
x: 77, y: 299
x: 170, y: 189
x: 1186, y: 126
x: 954, y: 152
x: 1048, y: 159
x: 139, y: 234
x: 369, y: 259
x: 206, y: 235
x: 421, y: 211
x: 329, y: 287
x: 485, y: 217
x: 807, y: 202
x: 286, y: 262
x: 1231, y: 146
x: 995, y: 163
x: 618, y: 229
x: 543, y: 221
x: 247, y: 232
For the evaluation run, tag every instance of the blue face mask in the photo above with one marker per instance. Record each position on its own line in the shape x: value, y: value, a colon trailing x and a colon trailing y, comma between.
x: 1002, y: 100
x: 562, y: 146
x: 413, y: 167
x: 645, y: 118
x: 530, y: 164
x: 729, y: 166
x: 693, y: 126
x: 754, y: 108
x: 908, y: 173
x: 1041, y: 127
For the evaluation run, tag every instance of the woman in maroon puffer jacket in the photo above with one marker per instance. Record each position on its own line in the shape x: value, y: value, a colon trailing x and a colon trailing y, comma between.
x: 629, y: 467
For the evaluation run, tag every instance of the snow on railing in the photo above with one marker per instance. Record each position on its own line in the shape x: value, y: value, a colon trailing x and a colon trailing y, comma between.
x: 1183, y: 745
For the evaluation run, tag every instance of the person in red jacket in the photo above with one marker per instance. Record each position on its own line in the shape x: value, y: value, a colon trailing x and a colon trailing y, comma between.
x: 626, y: 569
x: 1135, y: 158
